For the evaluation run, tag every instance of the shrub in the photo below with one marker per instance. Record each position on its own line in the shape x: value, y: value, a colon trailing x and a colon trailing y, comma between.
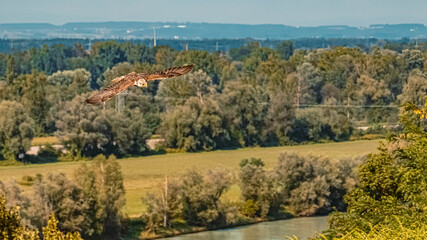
x: 48, y: 151
x: 249, y: 208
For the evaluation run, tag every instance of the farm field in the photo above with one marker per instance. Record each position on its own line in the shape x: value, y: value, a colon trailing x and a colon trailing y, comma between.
x: 142, y: 174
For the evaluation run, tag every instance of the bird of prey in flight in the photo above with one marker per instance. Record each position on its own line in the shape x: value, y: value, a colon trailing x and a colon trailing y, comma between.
x: 136, y: 79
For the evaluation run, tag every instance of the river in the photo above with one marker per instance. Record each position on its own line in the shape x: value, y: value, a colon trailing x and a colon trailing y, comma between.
x: 276, y: 230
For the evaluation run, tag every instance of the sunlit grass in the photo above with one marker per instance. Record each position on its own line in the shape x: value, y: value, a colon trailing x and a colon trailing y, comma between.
x: 143, y: 174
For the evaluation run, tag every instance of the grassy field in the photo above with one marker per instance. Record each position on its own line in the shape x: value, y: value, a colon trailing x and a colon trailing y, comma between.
x: 142, y: 174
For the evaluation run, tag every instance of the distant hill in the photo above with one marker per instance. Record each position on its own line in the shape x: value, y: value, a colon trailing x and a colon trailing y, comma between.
x: 195, y: 31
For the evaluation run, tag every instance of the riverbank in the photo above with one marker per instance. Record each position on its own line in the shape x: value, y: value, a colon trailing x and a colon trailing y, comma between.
x: 301, y: 227
x: 183, y: 229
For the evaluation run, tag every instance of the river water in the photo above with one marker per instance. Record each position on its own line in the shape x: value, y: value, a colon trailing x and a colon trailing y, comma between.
x: 276, y: 230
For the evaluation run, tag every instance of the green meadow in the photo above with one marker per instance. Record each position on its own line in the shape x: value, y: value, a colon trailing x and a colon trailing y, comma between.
x: 143, y: 174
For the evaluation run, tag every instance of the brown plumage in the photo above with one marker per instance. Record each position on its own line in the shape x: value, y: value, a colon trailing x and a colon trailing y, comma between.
x: 137, y: 79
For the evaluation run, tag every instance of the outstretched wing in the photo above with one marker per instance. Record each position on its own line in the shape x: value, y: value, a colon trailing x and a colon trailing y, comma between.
x: 110, y: 92
x: 169, y: 73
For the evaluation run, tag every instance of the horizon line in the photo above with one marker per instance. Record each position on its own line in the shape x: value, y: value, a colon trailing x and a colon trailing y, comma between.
x: 186, y: 22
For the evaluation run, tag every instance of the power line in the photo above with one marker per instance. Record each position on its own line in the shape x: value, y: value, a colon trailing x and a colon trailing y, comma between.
x: 350, y: 106
x: 305, y: 105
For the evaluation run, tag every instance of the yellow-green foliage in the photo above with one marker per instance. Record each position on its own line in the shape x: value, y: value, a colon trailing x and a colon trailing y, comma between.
x: 387, y: 233
x: 10, y: 224
x: 12, y: 228
x: 391, y: 199
x: 51, y: 232
x: 381, y: 233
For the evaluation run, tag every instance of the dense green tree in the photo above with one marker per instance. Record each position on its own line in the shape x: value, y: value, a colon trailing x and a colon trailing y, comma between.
x: 281, y: 115
x: 388, y: 66
x: 412, y: 58
x: 272, y: 74
x: 89, y: 179
x: 14, y: 196
x: 201, y: 197
x: 207, y: 62
x: 373, y: 92
x: 239, y: 54
x: 86, y: 130
x: 138, y: 53
x: 176, y: 91
x: 3, y: 66
x: 339, y: 65
x: 330, y: 91
x: 310, y: 84
x: 285, y: 49
x: 114, y: 191
x: 75, y: 127
x: 258, y: 55
x: 69, y: 83
x: 163, y: 206
x: 66, y: 200
x: 11, y: 71
x: 117, y: 70
x: 244, y: 110
x: 16, y: 131
x: 13, y: 91
x: 256, y: 186
x: 35, y: 100
x: 165, y: 56
x: 315, y: 124
x: 104, y: 55
x: 50, y: 59
x: 392, y: 182
x: 197, y: 125
x: 415, y: 89
x: 103, y: 192
x: 308, y: 185
x: 229, y: 72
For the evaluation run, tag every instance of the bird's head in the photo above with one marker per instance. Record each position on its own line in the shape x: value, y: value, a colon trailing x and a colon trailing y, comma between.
x: 141, y: 83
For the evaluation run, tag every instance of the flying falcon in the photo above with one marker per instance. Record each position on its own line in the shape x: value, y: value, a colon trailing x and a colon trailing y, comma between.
x: 136, y: 79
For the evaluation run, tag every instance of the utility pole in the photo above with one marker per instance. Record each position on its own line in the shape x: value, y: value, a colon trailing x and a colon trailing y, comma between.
x: 216, y: 47
x: 166, y: 205
x: 89, y: 45
x: 119, y: 103
x: 348, y: 106
x: 154, y: 28
x: 120, y: 100
x: 299, y: 91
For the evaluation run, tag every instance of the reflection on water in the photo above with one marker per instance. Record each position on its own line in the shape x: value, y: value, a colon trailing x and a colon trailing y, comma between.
x: 277, y: 230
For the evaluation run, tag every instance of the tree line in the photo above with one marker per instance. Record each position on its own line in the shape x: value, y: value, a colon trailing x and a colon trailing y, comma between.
x: 91, y: 204
x: 382, y: 193
x: 222, y: 45
x: 249, y: 96
x: 297, y: 186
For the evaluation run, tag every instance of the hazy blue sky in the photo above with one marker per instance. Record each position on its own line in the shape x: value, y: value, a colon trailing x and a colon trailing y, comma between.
x: 288, y: 12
